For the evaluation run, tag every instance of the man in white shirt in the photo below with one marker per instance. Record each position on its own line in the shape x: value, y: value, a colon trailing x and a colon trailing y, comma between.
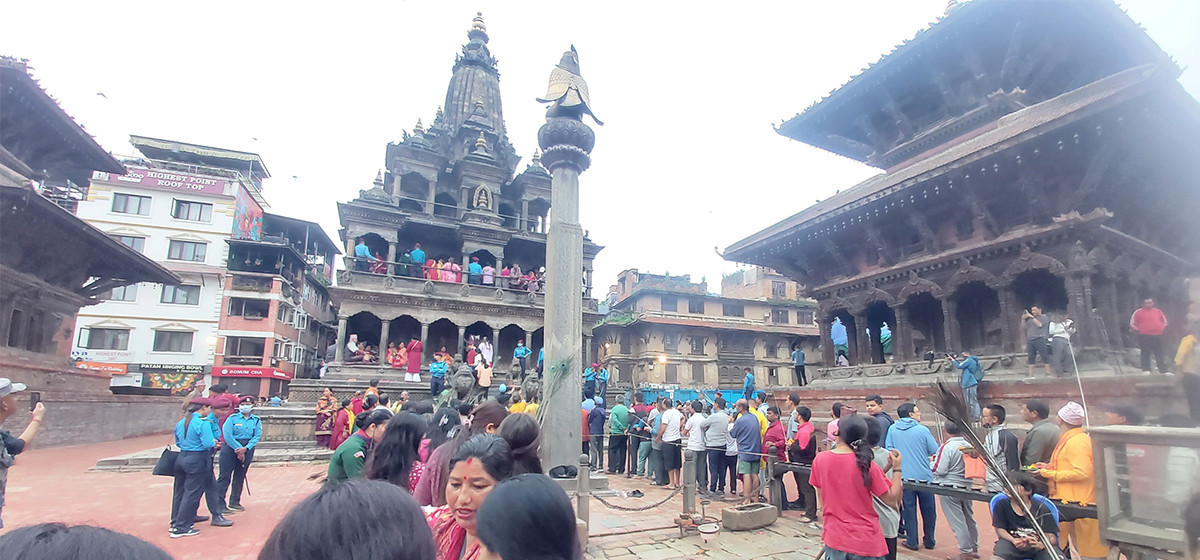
x: 1060, y: 344
x: 672, y: 426
x: 695, y: 441
x: 716, y: 434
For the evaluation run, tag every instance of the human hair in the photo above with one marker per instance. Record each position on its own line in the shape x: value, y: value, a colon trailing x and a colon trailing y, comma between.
x: 376, y: 416
x: 998, y: 412
x: 698, y: 405
x: 393, y: 458
x: 874, y: 433
x: 440, y: 426
x: 837, y: 409
x: 719, y: 402
x: 374, y: 382
x: 1039, y: 407
x: 852, y: 431
x: 491, y: 451
x: 420, y: 407
x: 667, y: 403
x: 953, y: 428
x: 1024, y: 480
x: 218, y: 388
x: 345, y: 402
x: 874, y: 398
x: 795, y: 398
x: 490, y: 412
x: 187, y: 416
x: 524, y: 438
x: 371, y: 401
x: 58, y: 541
x: 384, y: 399
x: 464, y: 409
x: 385, y: 523
x: 804, y: 412
x: 905, y: 410
x: 529, y: 516
x: 1131, y: 414
x: 774, y: 410
x: 638, y: 398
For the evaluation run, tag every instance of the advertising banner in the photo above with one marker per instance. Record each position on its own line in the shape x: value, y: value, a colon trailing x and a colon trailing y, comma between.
x: 170, y: 180
x: 250, y: 371
x: 111, y: 369
x: 178, y: 383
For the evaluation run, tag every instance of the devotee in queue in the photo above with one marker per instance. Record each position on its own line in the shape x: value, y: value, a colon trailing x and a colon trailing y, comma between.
x: 528, y: 516
x: 397, y: 457
x: 351, y: 456
x: 475, y: 469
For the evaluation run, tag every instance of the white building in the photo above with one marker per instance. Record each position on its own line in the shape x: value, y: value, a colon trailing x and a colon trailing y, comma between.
x: 180, y: 215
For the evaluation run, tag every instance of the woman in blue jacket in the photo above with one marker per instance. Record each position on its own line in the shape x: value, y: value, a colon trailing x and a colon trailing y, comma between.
x: 196, y: 437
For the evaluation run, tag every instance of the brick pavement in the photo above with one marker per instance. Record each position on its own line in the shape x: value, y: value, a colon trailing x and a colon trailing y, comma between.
x: 55, y: 485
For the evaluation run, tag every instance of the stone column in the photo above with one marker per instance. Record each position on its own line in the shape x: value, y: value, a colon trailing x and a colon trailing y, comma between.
x: 466, y: 262
x: 429, y: 197
x: 826, y: 327
x: 424, y: 338
x: 340, y: 351
x: 863, y: 344
x: 385, y: 327
x: 587, y: 286
x: 393, y: 250
x: 587, y: 353
x: 950, y: 323
x: 566, y: 143
x: 458, y: 349
x: 901, y: 335
x: 1008, y: 316
x: 524, y: 215
x: 496, y: 343
x: 1112, y: 314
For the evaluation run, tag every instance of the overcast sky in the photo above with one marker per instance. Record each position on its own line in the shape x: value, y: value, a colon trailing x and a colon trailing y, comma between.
x: 686, y: 162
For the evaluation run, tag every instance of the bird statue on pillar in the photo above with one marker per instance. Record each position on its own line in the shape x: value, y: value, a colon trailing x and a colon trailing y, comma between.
x: 567, y: 92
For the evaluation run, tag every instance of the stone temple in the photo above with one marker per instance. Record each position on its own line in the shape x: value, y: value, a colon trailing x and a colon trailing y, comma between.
x: 1033, y: 154
x: 452, y: 187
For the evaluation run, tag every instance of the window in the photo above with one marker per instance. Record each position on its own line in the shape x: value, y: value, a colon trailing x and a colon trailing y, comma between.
x: 778, y: 290
x: 733, y: 310
x: 124, y: 293
x: 131, y: 204
x: 249, y: 308
x: 171, y: 341
x: 805, y: 317
x: 773, y: 376
x: 670, y: 304
x: 698, y: 373
x: 136, y: 243
x: 187, y: 251
x: 193, y: 211
x: 103, y: 339
x: 244, y: 351
x: 672, y: 373
x: 779, y: 316
x: 771, y: 349
x: 624, y: 343
x: 696, y: 306
x: 671, y: 343
x: 15, y: 322
x: 697, y: 344
x: 284, y: 314
x: 182, y: 295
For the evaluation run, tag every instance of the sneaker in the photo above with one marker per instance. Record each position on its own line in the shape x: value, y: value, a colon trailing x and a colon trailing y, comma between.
x: 200, y: 519
x: 221, y: 522
x: 235, y: 507
x: 176, y: 533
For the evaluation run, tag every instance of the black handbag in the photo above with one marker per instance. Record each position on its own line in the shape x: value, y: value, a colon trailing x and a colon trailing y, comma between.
x: 166, y: 463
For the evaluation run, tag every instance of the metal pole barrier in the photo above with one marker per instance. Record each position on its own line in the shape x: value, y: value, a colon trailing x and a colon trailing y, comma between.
x: 774, y: 484
x: 581, y: 495
x: 689, y: 482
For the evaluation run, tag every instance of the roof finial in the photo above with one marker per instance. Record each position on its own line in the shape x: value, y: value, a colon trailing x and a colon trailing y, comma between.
x: 478, y: 29
x: 438, y: 115
x: 481, y: 142
x: 952, y: 5
x: 537, y: 156
x: 420, y: 128
x: 379, y: 178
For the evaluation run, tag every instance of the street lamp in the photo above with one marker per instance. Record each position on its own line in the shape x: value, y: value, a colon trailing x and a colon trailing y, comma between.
x: 662, y: 359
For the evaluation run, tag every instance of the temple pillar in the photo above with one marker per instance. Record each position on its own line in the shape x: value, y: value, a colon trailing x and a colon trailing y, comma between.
x: 429, y: 199
x: 1008, y: 341
x: 950, y: 323
x: 587, y: 283
x: 466, y: 262
x: 340, y: 351
x: 525, y: 215
x: 862, y: 340
x: 385, y: 327
x: 1076, y: 308
x: 393, y: 250
x: 424, y: 336
x: 825, y: 327
x: 458, y: 349
x: 499, y: 267
x: 901, y: 335
x: 587, y: 352
x: 1112, y: 314
x: 495, y: 342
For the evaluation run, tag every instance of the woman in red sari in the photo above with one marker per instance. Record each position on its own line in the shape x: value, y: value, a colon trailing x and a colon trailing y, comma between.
x: 478, y: 465
x: 341, y: 425
x: 326, y: 407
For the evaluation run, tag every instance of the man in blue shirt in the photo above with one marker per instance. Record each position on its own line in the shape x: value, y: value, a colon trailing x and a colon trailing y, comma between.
x: 418, y: 261
x: 522, y: 354
x: 362, y: 255
x: 749, y: 444
x: 474, y: 271
x: 916, y: 444
x: 602, y: 380
x: 196, y: 439
x: 748, y: 385
x: 242, y: 430
x: 798, y: 363
x: 589, y: 381
x: 971, y: 373
x: 541, y: 358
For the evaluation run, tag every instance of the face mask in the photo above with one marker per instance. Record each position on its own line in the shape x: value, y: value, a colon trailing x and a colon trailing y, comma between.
x: 245, y: 408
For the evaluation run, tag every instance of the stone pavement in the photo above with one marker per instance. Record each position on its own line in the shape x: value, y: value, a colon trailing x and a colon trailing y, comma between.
x: 56, y: 484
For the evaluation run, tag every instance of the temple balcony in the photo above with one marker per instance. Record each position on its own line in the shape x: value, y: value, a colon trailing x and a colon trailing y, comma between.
x: 369, y: 281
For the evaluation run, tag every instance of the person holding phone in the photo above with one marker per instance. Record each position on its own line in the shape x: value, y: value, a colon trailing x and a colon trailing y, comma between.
x: 12, y: 446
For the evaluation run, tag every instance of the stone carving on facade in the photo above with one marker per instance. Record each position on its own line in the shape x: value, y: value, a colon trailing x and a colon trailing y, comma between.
x: 1079, y: 261
x: 880, y: 370
x: 482, y: 199
x: 967, y: 273
x: 427, y: 287
x: 925, y: 368
x: 835, y: 303
x: 917, y: 285
x: 498, y: 294
x: 876, y: 295
x: 1029, y: 260
x: 345, y: 278
x: 531, y: 298
x: 389, y: 282
x: 464, y: 291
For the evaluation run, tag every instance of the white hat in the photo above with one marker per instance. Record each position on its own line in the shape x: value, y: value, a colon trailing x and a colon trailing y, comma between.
x: 7, y: 387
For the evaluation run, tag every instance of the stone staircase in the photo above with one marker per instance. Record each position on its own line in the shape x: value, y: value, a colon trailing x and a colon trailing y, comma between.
x: 265, y: 454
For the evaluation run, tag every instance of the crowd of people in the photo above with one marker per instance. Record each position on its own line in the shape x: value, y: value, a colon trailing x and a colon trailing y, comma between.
x: 416, y: 263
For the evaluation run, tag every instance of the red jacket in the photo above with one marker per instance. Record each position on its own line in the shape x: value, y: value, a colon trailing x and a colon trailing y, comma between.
x: 585, y: 425
x: 775, y: 435
x: 1148, y: 321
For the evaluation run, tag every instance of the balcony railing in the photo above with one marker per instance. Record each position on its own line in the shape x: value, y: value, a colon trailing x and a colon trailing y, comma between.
x: 243, y: 360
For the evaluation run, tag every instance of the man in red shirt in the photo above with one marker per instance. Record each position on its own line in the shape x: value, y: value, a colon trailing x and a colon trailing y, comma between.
x: 1149, y: 322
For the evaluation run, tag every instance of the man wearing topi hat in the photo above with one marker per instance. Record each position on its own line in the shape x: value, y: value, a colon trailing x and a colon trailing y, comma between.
x: 1072, y: 479
x: 10, y: 446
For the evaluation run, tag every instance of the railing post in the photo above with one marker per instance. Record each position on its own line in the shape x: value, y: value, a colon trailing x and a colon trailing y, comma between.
x: 689, y: 482
x: 581, y: 494
x: 774, y: 483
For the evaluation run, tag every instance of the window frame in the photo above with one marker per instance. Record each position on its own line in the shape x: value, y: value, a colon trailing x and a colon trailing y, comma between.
x: 191, y: 340
x: 777, y: 314
x: 175, y: 291
x: 733, y: 310
x: 139, y: 242
x: 674, y: 301
x: 84, y: 338
x: 696, y: 306
x: 143, y: 203
x: 203, y: 254
x: 778, y: 289
x: 204, y: 210
x: 126, y: 296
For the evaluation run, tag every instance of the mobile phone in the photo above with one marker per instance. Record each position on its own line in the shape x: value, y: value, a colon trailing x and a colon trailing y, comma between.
x: 34, y: 398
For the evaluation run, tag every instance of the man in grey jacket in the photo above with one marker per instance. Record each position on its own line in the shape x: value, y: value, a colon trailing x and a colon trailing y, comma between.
x: 1042, y: 438
x: 950, y: 468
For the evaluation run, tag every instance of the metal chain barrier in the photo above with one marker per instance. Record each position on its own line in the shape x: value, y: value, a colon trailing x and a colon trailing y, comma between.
x: 638, y: 508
